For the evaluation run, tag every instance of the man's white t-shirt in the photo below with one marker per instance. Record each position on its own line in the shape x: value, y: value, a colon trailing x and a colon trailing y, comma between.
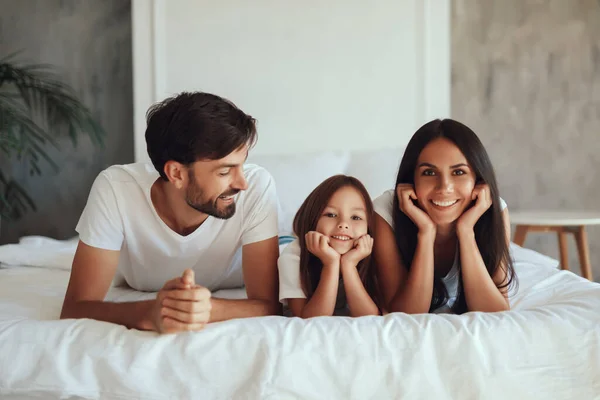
x: 119, y: 215
x: 384, y: 206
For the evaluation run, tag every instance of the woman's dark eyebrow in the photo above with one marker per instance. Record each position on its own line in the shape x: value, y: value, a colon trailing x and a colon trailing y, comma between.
x: 427, y: 165
x: 433, y: 166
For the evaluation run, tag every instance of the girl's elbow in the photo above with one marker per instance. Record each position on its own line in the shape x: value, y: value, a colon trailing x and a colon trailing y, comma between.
x: 406, y: 308
x: 305, y: 314
x: 365, y: 313
x: 503, y: 306
x: 273, y: 308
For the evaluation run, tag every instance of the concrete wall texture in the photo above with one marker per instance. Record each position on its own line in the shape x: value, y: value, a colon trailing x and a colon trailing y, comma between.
x: 526, y: 78
x: 89, y: 43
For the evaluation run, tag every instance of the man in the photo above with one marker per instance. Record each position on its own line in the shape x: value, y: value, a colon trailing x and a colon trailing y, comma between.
x: 175, y: 227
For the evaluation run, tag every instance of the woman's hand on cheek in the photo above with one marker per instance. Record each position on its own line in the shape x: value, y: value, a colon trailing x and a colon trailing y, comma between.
x: 318, y: 244
x: 406, y: 194
x: 483, y: 200
x: 362, y: 248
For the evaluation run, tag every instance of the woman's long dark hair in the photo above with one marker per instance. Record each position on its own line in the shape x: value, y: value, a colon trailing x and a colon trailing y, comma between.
x: 490, y: 232
x: 306, y: 220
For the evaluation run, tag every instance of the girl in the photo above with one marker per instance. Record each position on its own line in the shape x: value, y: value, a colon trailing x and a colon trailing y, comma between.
x: 443, y: 233
x: 327, y: 270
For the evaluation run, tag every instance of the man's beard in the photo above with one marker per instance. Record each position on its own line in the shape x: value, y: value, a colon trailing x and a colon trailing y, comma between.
x: 210, y: 206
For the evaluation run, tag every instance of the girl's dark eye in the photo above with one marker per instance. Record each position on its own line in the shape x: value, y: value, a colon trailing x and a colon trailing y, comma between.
x: 428, y: 172
x: 459, y: 172
x: 356, y: 218
x: 330, y: 215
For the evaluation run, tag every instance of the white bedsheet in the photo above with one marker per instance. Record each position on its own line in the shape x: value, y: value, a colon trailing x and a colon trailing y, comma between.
x: 547, y: 347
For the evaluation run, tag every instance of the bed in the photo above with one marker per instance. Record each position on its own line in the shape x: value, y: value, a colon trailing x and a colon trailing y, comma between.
x: 547, y: 346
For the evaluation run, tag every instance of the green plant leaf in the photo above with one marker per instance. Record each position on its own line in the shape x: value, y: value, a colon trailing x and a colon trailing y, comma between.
x: 54, y: 101
x: 36, y: 107
x: 14, y: 200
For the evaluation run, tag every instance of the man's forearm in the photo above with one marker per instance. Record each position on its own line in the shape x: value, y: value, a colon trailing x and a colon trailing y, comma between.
x: 225, y: 309
x: 137, y: 314
x: 132, y: 314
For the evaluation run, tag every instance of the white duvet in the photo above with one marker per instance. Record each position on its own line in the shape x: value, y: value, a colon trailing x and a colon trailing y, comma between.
x: 547, y: 347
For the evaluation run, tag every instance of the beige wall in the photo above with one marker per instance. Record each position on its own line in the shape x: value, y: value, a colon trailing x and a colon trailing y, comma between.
x: 318, y: 75
x: 526, y: 78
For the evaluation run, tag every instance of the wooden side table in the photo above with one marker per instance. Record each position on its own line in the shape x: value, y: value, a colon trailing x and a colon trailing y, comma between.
x: 563, y: 223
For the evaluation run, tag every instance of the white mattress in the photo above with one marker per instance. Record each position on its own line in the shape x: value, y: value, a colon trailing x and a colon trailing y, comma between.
x: 547, y: 347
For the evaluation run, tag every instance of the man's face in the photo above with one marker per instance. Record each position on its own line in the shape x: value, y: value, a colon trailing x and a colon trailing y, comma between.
x: 213, y: 184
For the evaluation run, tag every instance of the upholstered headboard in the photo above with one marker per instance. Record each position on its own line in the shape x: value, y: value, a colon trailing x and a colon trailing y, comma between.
x: 296, y: 176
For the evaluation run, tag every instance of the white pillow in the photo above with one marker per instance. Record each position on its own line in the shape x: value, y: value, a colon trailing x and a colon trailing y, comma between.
x: 296, y: 176
x: 38, y: 251
x: 376, y: 169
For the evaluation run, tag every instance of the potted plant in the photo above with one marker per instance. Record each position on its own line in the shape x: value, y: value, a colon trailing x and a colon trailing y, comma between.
x: 36, y: 108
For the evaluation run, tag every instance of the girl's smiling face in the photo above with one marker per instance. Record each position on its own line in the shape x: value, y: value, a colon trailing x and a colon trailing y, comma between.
x: 344, y: 219
x: 444, y: 181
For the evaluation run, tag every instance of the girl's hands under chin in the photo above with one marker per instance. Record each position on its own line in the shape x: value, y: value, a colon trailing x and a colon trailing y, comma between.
x: 362, y: 248
x: 318, y: 244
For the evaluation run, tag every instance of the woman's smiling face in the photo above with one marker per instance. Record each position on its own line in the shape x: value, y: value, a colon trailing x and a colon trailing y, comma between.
x: 444, y: 181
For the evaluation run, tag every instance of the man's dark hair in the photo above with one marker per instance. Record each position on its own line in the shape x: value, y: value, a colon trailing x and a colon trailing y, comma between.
x: 196, y: 126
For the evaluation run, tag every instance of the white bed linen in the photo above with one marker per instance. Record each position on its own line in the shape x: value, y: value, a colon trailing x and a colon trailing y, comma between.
x: 547, y: 347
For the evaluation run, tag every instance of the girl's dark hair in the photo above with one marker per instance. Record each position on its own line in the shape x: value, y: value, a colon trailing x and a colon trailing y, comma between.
x: 306, y: 220
x: 194, y: 126
x: 490, y: 232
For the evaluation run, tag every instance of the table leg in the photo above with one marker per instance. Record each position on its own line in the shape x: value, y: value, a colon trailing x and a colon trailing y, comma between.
x: 583, y: 250
x: 563, y: 249
x: 520, y: 234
